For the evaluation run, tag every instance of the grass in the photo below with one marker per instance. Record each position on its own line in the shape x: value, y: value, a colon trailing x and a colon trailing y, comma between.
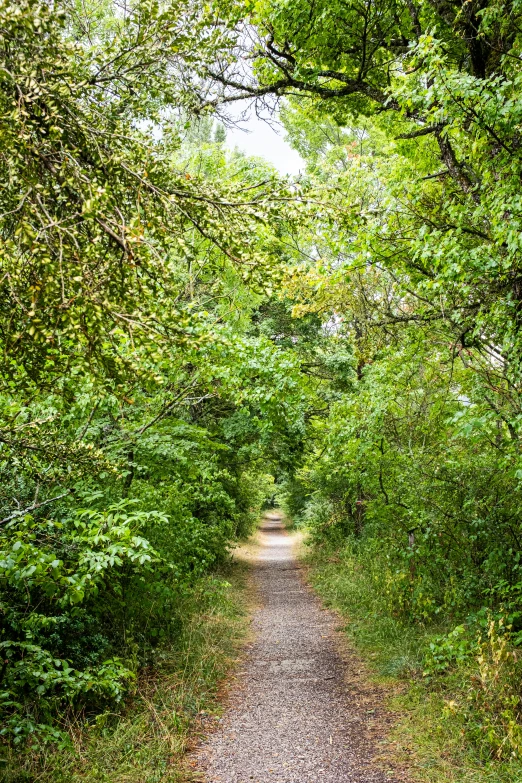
x: 147, y: 742
x: 431, y: 741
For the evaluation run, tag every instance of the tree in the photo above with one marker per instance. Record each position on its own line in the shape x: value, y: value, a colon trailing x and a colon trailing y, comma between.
x: 136, y: 411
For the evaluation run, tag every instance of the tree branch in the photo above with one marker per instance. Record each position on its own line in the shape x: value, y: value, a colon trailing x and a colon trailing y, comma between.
x: 33, y: 507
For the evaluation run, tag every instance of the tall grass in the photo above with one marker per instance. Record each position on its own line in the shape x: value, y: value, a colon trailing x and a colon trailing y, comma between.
x: 440, y: 734
x: 147, y: 741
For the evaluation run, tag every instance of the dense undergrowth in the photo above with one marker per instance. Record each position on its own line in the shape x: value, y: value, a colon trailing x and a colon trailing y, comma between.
x: 141, y: 410
x: 456, y: 712
x: 146, y: 741
x: 181, y: 329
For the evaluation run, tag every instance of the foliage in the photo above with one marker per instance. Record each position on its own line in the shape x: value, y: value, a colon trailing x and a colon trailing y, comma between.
x: 99, y: 209
x: 455, y: 724
x: 181, y: 328
x: 139, y: 415
x: 147, y: 741
x: 407, y: 115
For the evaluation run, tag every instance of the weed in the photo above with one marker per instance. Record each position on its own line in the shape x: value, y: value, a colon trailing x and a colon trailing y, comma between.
x: 146, y: 743
x: 458, y: 704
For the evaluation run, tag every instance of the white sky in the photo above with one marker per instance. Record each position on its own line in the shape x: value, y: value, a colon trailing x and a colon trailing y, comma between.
x: 257, y: 137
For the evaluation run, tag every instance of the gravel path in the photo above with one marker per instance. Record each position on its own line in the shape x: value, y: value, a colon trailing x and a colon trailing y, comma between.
x: 292, y: 717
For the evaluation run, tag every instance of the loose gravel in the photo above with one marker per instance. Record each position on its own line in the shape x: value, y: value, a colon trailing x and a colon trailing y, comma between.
x: 293, y: 715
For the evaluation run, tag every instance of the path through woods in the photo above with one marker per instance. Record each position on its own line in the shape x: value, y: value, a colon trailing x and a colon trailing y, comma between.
x: 294, y: 716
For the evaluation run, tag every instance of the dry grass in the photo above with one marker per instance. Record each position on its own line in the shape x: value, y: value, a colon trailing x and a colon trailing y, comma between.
x: 424, y: 741
x: 148, y: 740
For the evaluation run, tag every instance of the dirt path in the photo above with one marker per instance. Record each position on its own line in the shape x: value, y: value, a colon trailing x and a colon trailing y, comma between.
x: 292, y: 717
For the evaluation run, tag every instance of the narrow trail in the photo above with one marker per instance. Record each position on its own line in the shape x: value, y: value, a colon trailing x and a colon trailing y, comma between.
x: 292, y: 717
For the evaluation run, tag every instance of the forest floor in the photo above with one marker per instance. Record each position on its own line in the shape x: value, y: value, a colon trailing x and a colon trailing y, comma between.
x: 302, y: 708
